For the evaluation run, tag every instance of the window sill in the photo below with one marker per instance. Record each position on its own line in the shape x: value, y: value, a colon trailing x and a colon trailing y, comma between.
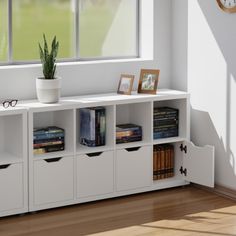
x: 75, y: 63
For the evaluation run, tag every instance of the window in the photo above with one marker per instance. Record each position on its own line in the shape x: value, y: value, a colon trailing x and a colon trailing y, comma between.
x: 3, y: 30
x: 85, y: 29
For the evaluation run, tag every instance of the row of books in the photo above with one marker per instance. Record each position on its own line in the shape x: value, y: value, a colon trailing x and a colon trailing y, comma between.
x: 165, y: 122
x: 163, y: 161
x: 48, y: 139
x: 93, y: 126
x: 126, y: 133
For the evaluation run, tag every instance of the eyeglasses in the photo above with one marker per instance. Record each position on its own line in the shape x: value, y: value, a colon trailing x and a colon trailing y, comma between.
x: 8, y: 103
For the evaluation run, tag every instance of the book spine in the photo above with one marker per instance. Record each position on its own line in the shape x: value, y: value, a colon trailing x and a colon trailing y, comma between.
x: 166, y: 134
x: 158, y: 163
x: 92, y: 125
x: 172, y: 161
x: 38, y: 145
x: 169, y: 122
x: 48, y: 136
x: 103, y: 127
x: 97, y: 129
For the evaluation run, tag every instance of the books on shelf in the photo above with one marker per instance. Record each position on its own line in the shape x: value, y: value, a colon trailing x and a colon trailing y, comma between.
x: 48, y: 139
x: 93, y: 126
x: 163, y: 161
x: 165, y: 122
x: 126, y: 133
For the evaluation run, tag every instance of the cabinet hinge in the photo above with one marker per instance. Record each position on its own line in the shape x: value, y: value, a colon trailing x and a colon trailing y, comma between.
x: 183, y: 171
x: 183, y: 148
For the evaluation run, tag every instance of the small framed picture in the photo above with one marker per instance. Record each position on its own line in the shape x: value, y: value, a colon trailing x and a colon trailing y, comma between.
x: 125, y: 84
x: 148, y: 81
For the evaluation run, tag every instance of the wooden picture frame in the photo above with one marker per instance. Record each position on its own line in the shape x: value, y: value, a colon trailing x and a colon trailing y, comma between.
x: 148, y: 81
x: 125, y: 84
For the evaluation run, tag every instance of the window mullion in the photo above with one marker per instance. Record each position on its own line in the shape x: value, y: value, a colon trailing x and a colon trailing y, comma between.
x: 10, y: 31
x: 77, y: 28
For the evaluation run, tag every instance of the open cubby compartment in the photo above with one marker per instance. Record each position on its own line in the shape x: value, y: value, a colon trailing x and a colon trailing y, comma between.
x: 138, y: 114
x: 12, y: 139
x: 60, y: 118
x: 182, y: 106
x: 109, y: 138
x: 178, y: 162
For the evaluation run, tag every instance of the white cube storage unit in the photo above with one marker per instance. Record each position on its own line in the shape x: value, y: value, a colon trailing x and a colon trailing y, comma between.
x: 82, y: 174
x: 13, y: 161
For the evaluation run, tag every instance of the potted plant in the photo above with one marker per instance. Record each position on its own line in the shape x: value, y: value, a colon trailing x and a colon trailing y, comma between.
x: 48, y: 87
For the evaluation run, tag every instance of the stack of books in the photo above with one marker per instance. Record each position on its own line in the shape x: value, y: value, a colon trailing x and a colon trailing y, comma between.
x: 163, y: 161
x: 126, y: 133
x: 93, y: 126
x: 165, y: 122
x: 49, y: 139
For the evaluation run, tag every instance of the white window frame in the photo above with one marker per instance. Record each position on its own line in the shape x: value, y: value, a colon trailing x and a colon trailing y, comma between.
x: 77, y: 58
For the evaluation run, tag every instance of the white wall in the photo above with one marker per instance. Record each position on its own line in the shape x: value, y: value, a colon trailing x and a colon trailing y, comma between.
x: 204, y: 63
x: 19, y: 81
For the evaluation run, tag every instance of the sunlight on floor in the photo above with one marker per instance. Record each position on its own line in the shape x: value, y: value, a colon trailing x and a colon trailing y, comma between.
x: 220, y: 222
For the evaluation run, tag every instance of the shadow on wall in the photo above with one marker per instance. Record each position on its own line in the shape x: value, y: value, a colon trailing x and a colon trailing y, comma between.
x: 205, y: 129
x: 226, y: 159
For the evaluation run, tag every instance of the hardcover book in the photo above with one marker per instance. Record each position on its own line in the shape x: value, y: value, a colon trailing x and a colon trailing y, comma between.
x: 93, y: 126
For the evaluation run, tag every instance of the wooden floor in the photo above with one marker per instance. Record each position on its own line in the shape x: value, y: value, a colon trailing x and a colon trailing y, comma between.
x: 174, y: 212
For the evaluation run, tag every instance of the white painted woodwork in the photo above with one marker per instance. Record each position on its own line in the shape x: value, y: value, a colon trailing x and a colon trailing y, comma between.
x: 95, y: 174
x: 11, y: 185
x: 133, y: 168
x: 53, y: 181
x: 200, y: 165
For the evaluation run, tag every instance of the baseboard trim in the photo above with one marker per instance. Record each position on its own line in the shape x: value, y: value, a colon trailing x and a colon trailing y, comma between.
x: 219, y: 190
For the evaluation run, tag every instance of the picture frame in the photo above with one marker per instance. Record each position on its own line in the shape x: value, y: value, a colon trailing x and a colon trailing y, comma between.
x: 148, y: 81
x: 125, y: 84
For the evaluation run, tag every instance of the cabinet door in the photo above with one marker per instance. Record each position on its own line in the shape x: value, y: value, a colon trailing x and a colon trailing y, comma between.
x: 95, y: 174
x: 53, y: 180
x: 133, y: 168
x: 199, y: 164
x: 11, y: 184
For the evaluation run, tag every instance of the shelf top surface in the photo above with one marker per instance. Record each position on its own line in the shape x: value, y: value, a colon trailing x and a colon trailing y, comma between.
x: 104, y: 99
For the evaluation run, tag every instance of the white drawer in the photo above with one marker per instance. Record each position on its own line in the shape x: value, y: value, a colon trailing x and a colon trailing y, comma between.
x: 11, y: 185
x: 95, y: 174
x: 53, y: 180
x: 133, y: 168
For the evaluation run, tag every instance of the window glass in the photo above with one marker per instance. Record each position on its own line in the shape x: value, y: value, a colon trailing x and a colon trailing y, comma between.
x: 32, y: 18
x: 107, y: 28
x: 3, y: 30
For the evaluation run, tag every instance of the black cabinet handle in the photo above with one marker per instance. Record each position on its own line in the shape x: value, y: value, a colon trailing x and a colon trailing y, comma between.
x: 4, y: 166
x: 53, y: 159
x: 134, y: 149
x: 95, y: 154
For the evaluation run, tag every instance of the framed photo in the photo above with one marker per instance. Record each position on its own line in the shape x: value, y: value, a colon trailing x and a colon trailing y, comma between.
x: 148, y: 81
x: 125, y: 84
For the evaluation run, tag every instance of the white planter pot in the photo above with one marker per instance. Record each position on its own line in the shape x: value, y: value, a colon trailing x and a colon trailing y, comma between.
x: 48, y: 90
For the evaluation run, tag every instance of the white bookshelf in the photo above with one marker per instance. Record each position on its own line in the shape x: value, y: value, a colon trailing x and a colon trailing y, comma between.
x: 82, y: 174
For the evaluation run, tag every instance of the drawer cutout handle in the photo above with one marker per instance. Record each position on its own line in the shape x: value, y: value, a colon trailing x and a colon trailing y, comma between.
x: 134, y: 149
x: 53, y: 159
x: 2, y: 167
x: 95, y: 154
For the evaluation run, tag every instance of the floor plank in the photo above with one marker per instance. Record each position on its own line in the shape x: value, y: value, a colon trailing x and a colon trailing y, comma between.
x: 179, y: 211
